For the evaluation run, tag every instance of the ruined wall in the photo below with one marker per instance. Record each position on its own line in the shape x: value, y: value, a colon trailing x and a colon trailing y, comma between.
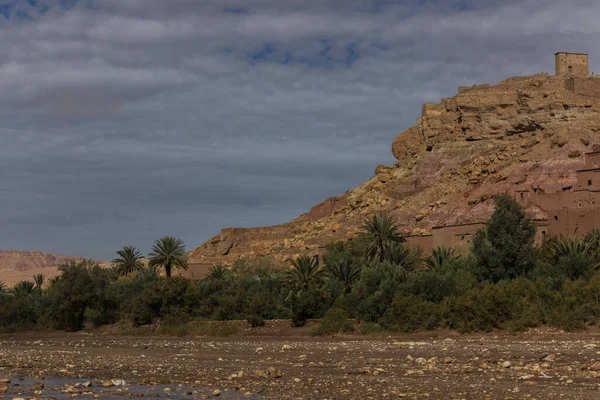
x: 575, y: 62
x: 592, y: 160
x: 424, y: 242
x: 585, y: 87
x: 454, y: 235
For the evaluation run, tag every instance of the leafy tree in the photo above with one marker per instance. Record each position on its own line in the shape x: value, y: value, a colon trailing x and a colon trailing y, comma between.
x: 2, y: 287
x: 504, y: 249
x: 305, y: 271
x: 377, y: 234
x: 80, y: 295
x: 169, y: 253
x: 217, y: 271
x: 441, y: 258
x: 22, y: 289
x: 129, y: 260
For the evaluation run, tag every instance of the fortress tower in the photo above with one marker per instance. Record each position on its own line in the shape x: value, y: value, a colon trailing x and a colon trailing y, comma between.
x: 572, y: 64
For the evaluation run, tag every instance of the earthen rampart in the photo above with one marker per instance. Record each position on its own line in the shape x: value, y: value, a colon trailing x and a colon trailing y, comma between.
x: 589, y: 87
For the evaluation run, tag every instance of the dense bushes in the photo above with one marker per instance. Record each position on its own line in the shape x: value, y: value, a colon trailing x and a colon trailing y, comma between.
x: 503, y: 282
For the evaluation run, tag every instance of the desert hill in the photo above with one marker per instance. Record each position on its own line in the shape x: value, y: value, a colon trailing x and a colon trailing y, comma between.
x: 20, y: 265
x: 523, y: 133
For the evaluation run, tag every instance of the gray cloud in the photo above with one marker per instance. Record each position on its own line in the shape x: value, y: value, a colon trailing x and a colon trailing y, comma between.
x: 125, y: 120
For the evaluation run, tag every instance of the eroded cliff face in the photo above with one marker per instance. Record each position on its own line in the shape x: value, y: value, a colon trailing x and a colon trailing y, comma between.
x: 523, y: 133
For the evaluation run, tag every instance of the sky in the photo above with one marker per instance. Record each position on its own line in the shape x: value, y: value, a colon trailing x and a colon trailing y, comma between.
x: 122, y: 121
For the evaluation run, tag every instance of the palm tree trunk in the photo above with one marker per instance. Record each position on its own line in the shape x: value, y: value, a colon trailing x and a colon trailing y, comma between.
x: 168, y: 269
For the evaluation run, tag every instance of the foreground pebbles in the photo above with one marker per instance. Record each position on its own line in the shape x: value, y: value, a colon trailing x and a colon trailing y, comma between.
x: 537, y: 365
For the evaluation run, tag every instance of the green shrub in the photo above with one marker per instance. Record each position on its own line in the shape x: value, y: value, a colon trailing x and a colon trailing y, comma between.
x: 80, y: 295
x: 335, y: 322
x: 311, y: 303
x: 368, y: 328
x: 256, y: 321
x: 411, y: 313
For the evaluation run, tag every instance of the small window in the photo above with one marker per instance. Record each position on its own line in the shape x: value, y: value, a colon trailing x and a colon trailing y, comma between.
x: 589, y: 182
x: 595, y: 164
x: 543, y: 233
x: 556, y: 217
x: 522, y: 196
x: 462, y: 237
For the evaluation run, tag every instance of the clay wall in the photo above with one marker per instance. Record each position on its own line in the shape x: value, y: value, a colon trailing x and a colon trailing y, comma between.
x: 573, y: 221
x: 196, y: 270
x: 575, y: 63
x: 542, y: 230
x: 588, y: 179
x: 592, y: 160
x: 424, y: 242
x: 585, y: 87
x: 523, y: 197
x: 454, y: 235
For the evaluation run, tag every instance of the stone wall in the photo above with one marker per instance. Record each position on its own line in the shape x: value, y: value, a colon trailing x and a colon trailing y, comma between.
x: 585, y: 87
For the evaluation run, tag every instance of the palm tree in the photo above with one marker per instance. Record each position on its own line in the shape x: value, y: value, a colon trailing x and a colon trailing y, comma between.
x: 39, y: 281
x: 53, y: 279
x: 218, y: 271
x: 304, y: 272
x: 345, y: 271
x: 574, y: 256
x: 2, y: 287
x: 593, y: 239
x: 168, y: 252
x: 129, y: 261
x: 397, y: 254
x: 378, y: 232
x: 149, y: 273
x: 441, y: 258
x: 22, y: 289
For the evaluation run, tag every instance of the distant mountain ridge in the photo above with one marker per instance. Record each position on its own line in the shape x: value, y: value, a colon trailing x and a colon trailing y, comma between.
x: 16, y: 265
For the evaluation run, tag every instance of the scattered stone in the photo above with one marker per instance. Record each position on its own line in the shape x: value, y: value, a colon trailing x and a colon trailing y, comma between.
x: 548, y: 358
x: 574, y: 153
x: 216, y: 392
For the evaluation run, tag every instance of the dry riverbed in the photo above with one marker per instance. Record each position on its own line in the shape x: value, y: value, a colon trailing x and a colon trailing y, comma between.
x: 536, y: 365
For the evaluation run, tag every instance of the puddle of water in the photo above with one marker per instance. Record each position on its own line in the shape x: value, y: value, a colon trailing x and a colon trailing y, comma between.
x: 65, y: 388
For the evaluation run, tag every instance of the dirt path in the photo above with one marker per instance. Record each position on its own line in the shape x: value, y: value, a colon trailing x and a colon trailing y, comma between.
x: 412, y: 367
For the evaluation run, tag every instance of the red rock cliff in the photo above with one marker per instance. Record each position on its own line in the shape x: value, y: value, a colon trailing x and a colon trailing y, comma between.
x: 521, y: 133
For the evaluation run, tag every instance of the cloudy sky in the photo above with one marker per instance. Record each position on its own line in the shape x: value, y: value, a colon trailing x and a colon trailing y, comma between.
x: 122, y: 121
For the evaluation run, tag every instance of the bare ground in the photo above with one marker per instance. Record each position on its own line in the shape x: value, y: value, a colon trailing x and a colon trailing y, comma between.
x: 443, y: 365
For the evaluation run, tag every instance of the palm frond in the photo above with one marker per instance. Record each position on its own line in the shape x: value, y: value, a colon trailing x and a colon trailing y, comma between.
x: 304, y: 272
x: 22, y: 288
x: 344, y: 270
x: 218, y: 271
x: 441, y: 258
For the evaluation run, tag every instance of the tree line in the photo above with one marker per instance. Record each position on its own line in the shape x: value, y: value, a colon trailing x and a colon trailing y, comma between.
x: 502, y: 281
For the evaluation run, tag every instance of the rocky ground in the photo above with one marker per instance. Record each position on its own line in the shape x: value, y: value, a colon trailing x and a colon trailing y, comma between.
x: 535, y: 365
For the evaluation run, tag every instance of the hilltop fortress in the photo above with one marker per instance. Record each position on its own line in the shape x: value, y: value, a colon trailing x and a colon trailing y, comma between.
x: 536, y: 138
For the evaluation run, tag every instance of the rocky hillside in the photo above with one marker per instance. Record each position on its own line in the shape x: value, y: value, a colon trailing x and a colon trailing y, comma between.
x: 521, y: 133
x: 19, y: 265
